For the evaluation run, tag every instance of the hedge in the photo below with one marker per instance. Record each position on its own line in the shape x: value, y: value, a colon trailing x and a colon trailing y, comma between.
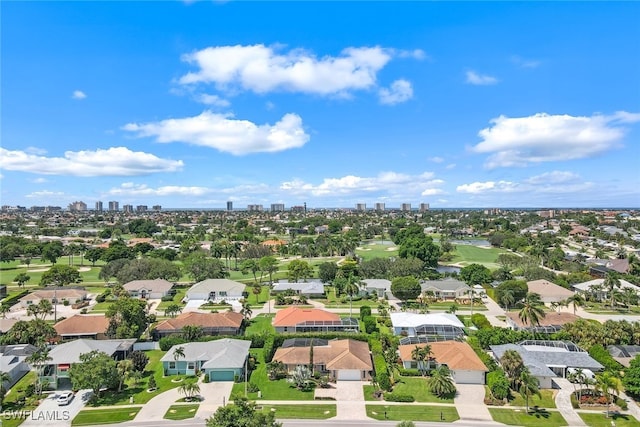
x: 498, y: 384
x: 14, y: 299
x: 600, y: 354
x: 480, y: 321
x: 409, y: 372
x: 396, y: 397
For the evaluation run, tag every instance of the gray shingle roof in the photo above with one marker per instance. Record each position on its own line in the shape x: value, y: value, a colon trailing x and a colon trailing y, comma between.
x: 223, y: 353
x: 70, y: 352
x: 217, y: 285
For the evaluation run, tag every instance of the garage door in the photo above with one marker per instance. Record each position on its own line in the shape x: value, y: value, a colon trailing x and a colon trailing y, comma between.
x: 468, y: 377
x: 349, y: 375
x: 221, y: 375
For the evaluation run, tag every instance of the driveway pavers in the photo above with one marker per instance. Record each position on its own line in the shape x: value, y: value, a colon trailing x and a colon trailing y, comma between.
x: 49, y: 413
x: 469, y: 402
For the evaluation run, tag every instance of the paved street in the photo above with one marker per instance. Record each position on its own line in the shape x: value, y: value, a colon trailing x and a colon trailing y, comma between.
x: 49, y: 413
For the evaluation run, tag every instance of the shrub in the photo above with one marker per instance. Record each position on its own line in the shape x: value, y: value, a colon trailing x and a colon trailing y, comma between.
x: 384, y: 381
x: 365, y: 311
x: 205, y: 379
x: 622, y: 404
x: 152, y: 383
x: 167, y: 342
x: 269, y: 348
x: 253, y: 388
x: 396, y: 397
x: 167, y: 298
x: 103, y: 296
x: 370, y: 325
x: 498, y: 384
x: 409, y: 372
x: 574, y: 401
x: 480, y: 321
x: 601, y: 354
x: 65, y: 302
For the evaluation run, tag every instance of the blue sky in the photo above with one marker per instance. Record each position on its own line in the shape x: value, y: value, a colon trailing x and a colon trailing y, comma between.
x: 498, y: 104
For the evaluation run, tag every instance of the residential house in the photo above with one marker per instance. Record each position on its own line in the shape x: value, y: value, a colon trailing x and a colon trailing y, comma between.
x: 83, y: 326
x: 549, y: 359
x: 227, y: 323
x: 380, y: 287
x: 464, y: 364
x: 549, y: 292
x: 215, y: 290
x: 12, y: 361
x: 53, y: 295
x: 148, y: 289
x: 311, y: 289
x: 56, y: 372
x: 341, y: 359
x: 442, y: 325
x: 597, y: 288
x: 6, y: 324
x: 624, y: 353
x: 221, y: 360
x: 447, y: 289
x: 294, y: 319
x: 550, y: 323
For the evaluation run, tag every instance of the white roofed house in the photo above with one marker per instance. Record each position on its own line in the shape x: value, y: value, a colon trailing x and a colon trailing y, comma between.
x: 549, y: 292
x: 312, y: 288
x: 379, y: 286
x: 437, y: 325
x: 215, y: 290
x: 597, y: 288
x: 148, y: 289
x: 220, y: 360
x: 447, y: 289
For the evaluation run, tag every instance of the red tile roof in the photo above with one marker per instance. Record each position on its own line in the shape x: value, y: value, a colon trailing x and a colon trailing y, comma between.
x: 293, y: 316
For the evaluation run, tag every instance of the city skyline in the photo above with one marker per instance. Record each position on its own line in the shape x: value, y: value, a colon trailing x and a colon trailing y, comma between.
x: 192, y: 105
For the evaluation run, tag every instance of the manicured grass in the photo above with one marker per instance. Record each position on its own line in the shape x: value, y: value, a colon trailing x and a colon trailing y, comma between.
x: 517, y: 417
x: 261, y: 297
x: 181, y: 412
x: 446, y: 414
x: 260, y: 324
x: 545, y: 401
x: 376, y: 250
x: 316, y: 412
x: 177, y: 299
x: 13, y: 400
x: 600, y: 420
x: 104, y: 416
x: 139, y: 392
x: 417, y: 387
x: 271, y: 390
x: 368, y: 393
x: 468, y: 254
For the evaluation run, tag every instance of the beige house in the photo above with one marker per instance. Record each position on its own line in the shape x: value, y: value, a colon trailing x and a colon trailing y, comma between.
x: 548, y: 291
x: 228, y: 323
x: 60, y: 295
x: 89, y: 326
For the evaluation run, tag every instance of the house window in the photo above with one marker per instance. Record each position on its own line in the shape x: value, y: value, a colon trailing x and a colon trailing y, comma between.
x: 172, y: 365
x: 223, y: 293
x: 191, y: 365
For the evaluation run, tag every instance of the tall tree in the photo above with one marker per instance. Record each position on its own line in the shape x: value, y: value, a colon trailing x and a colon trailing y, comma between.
x: 269, y: 264
x: 532, y: 311
x: 242, y: 413
x: 299, y: 270
x: 609, y: 385
x: 512, y: 364
x: 527, y: 386
x: 127, y: 318
x: 611, y: 284
x: 476, y: 274
x: 405, y: 288
x: 60, y: 275
x: 96, y: 370
x: 21, y: 279
x: 440, y: 383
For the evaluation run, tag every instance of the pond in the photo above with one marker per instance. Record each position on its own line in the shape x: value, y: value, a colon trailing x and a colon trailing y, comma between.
x: 447, y: 269
x: 475, y: 242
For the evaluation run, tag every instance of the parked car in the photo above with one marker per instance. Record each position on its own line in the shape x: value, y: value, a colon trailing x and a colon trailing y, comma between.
x: 65, y: 398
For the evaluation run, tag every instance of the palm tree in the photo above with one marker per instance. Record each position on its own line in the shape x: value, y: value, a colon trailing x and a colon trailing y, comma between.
x: 528, y: 385
x: 607, y: 383
x: 351, y: 288
x: 178, y: 353
x: 611, y: 283
x: 4, y: 309
x: 125, y: 367
x: 512, y: 364
x: 420, y: 355
x: 507, y: 298
x: 532, y: 310
x: 246, y: 310
x: 441, y: 384
x: 577, y: 300
x: 190, y: 390
x: 38, y: 360
x: 630, y: 296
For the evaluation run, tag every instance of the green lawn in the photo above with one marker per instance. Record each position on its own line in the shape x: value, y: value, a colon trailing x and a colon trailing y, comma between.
x: 316, y: 412
x: 417, y: 387
x: 177, y: 299
x: 271, y: 390
x: 516, y: 417
x: 139, y: 392
x: 13, y: 400
x: 546, y: 400
x: 446, y: 414
x: 368, y: 393
x: 181, y: 412
x: 104, y: 416
x: 600, y: 420
x: 260, y: 324
x: 468, y: 254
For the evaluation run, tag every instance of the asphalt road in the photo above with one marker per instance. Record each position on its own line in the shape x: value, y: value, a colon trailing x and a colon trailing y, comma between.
x: 312, y: 423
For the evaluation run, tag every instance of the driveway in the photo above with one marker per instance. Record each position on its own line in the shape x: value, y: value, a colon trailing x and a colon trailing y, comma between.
x: 48, y: 413
x: 215, y: 395
x: 469, y: 402
x: 350, y: 400
x: 563, y: 402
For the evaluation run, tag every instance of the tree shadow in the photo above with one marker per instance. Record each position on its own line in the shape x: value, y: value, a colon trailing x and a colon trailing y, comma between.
x: 539, y: 412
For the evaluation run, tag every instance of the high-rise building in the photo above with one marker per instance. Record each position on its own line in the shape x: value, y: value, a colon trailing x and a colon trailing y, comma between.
x: 424, y: 207
x: 254, y: 208
x: 156, y: 208
x: 141, y: 208
x: 405, y: 207
x: 361, y: 206
x: 380, y: 207
x: 78, y: 206
x: 277, y: 207
x: 229, y: 206
x: 98, y: 206
x: 127, y: 208
x: 114, y: 206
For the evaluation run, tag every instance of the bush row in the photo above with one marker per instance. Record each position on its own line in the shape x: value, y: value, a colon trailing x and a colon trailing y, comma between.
x: 480, y: 321
x: 397, y: 397
x: 600, y: 354
x: 11, y: 301
x: 409, y: 372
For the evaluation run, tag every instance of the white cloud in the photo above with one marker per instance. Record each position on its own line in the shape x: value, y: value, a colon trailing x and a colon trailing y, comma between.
x: 436, y: 159
x: 450, y: 166
x: 114, y: 161
x: 222, y: 132
x: 39, y: 180
x: 78, y: 94
x: 269, y: 105
x: 554, y: 177
x: 399, y: 91
x: 480, y: 79
x: 432, y: 192
x: 131, y: 189
x: 525, y: 63
x: 418, y: 54
x: 44, y: 194
x: 35, y: 150
x: 262, y: 69
x: 544, y: 138
x: 395, y: 183
x: 214, y: 100
x: 483, y: 187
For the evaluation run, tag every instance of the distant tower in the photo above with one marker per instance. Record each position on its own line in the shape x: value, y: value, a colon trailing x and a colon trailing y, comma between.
x: 405, y: 207
x: 114, y: 206
x: 98, y: 206
x: 379, y: 207
x: 229, y: 206
x: 424, y: 207
x: 305, y: 207
x: 361, y: 206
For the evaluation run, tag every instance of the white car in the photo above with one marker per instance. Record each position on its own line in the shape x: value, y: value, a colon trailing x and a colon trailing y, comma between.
x: 65, y: 398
